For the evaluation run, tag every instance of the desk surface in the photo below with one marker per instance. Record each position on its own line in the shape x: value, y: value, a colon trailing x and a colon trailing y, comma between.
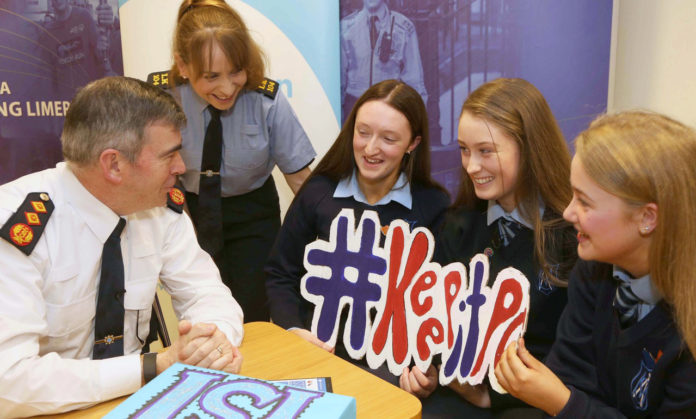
x: 271, y: 353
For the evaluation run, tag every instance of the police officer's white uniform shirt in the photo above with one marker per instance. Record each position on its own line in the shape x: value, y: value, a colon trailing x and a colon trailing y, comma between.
x: 258, y: 133
x: 48, y: 299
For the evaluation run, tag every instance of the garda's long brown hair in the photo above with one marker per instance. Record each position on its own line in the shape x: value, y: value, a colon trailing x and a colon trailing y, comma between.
x: 643, y: 157
x: 520, y: 110
x: 200, y: 24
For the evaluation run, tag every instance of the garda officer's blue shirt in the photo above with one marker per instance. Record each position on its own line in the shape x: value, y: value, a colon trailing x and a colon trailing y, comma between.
x: 361, y: 65
x: 400, y: 192
x: 258, y: 134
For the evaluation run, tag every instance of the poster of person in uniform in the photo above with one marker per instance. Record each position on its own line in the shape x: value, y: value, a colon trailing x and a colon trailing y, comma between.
x: 378, y: 43
x: 447, y: 48
x: 48, y: 50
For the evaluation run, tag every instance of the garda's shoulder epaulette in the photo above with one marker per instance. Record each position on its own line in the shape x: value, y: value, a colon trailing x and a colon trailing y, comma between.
x: 24, y: 228
x: 159, y: 78
x: 403, y: 22
x: 268, y: 87
x: 176, y: 199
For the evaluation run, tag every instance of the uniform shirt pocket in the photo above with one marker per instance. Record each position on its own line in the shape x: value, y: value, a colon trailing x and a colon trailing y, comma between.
x: 250, y: 151
x: 145, y: 263
x: 63, y: 319
x: 63, y: 273
x: 63, y: 286
x: 138, y: 309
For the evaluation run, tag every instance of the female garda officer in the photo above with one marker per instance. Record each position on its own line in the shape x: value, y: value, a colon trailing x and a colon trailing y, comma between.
x: 218, y: 76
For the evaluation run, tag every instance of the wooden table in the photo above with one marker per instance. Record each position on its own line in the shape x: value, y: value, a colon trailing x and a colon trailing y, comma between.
x: 271, y: 353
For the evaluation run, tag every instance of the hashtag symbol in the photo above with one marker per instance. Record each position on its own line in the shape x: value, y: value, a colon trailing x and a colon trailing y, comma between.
x: 348, y: 282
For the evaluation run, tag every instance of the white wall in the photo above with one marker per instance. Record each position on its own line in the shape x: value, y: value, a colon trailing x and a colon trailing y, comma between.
x: 655, y: 57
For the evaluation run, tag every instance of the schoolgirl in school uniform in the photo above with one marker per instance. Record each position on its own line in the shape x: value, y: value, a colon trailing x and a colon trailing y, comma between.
x: 512, y: 192
x: 379, y: 162
x: 219, y: 81
x: 626, y: 339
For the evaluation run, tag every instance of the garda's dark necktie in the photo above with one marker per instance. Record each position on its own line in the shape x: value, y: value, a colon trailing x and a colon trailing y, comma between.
x: 508, y: 229
x: 108, y: 325
x: 374, y: 33
x: 626, y: 303
x: 209, y: 219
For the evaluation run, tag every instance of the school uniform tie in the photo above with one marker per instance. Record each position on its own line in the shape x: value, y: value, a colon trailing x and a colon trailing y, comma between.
x: 626, y: 303
x: 209, y: 219
x: 508, y: 229
x: 108, y: 324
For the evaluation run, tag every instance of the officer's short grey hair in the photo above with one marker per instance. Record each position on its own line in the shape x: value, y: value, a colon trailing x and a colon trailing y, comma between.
x: 114, y: 112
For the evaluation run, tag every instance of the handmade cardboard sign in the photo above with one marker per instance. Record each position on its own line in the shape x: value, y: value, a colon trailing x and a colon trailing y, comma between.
x: 184, y: 391
x: 423, y: 308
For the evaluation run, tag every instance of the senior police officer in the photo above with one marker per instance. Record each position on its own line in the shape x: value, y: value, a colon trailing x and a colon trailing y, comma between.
x: 378, y: 44
x: 83, y: 246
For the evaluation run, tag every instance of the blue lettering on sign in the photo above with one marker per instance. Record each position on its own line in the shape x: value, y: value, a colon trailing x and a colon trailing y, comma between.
x: 348, y: 282
x: 214, y: 397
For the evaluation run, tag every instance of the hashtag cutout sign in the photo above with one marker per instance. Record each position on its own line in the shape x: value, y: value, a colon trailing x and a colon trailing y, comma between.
x: 422, y: 308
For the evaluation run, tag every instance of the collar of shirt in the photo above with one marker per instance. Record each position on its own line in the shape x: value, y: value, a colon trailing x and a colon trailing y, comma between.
x: 98, y: 217
x: 382, y: 14
x: 642, y: 287
x: 400, y: 192
x: 495, y: 211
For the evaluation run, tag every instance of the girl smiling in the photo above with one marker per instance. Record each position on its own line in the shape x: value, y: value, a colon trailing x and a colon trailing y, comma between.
x: 626, y: 339
x: 513, y: 188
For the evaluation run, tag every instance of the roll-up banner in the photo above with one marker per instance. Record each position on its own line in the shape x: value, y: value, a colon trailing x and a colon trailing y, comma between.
x: 48, y: 49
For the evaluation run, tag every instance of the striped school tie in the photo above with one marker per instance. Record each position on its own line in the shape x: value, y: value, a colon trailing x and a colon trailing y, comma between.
x: 626, y: 303
x: 508, y: 229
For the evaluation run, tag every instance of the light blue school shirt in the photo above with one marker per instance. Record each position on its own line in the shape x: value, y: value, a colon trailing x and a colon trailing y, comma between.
x: 643, y: 288
x: 400, y: 192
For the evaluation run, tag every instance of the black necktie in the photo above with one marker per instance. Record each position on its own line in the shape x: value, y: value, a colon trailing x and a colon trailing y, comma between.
x: 508, y: 229
x: 108, y: 325
x: 374, y: 33
x: 626, y: 303
x: 209, y: 217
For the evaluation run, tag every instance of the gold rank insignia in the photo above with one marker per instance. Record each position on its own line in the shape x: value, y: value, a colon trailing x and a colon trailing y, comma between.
x: 24, y: 228
x: 176, y: 199
x: 21, y: 234
x: 32, y: 218
x: 38, y: 206
x: 268, y: 87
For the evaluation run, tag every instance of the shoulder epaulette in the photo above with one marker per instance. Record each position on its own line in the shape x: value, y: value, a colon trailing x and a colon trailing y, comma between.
x: 159, y: 78
x: 268, y: 87
x: 176, y: 199
x: 403, y: 22
x: 24, y: 228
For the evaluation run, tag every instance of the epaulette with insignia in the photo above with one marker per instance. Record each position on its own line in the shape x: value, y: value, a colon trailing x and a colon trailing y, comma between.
x: 24, y: 228
x: 176, y: 199
x: 268, y: 87
x: 159, y: 78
